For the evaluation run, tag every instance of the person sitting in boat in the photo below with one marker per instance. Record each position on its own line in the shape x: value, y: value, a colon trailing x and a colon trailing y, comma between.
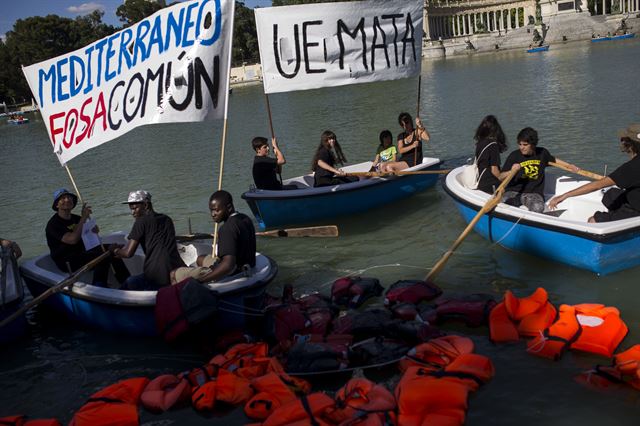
x: 527, y: 187
x: 157, y: 236
x: 385, y: 153
x: 265, y: 168
x: 236, y: 244
x: 409, y: 143
x: 64, y: 238
x: 15, y: 248
x: 328, y: 154
x: 490, y: 143
x: 626, y: 177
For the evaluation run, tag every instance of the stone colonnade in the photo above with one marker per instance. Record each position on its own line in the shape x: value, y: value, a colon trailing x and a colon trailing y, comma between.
x: 449, y: 18
x: 627, y: 5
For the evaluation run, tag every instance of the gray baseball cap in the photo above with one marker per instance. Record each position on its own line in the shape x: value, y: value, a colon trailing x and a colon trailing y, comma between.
x: 139, y: 196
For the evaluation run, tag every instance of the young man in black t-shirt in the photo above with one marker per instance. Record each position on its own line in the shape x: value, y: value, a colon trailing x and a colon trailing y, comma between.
x: 626, y: 177
x: 64, y: 238
x: 157, y: 236
x: 236, y: 243
x: 267, y: 169
x: 527, y: 187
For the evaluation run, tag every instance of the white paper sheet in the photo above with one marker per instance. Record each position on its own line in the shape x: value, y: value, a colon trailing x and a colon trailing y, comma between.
x: 89, y: 238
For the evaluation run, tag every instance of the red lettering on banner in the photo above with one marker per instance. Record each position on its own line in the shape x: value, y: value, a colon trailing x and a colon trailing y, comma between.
x: 86, y: 119
x: 53, y: 129
x: 74, y: 125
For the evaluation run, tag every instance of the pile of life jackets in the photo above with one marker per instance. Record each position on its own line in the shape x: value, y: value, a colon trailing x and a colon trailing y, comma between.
x: 586, y: 327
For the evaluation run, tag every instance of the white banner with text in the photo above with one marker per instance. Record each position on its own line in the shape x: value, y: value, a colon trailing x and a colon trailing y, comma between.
x: 170, y: 67
x: 335, y: 44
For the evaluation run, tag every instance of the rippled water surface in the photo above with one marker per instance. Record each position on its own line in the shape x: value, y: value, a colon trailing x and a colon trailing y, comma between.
x: 576, y: 95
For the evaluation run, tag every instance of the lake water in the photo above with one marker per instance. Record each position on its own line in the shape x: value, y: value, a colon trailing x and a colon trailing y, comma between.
x: 576, y: 95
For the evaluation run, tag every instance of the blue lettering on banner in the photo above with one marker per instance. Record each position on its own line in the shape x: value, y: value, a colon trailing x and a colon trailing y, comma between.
x: 106, y: 59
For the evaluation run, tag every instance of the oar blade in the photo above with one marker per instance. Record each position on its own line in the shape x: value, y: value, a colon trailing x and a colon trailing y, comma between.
x: 312, y: 231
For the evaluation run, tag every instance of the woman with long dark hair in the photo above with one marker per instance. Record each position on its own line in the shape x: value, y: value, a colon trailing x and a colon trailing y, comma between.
x: 327, y: 156
x: 409, y: 143
x: 490, y: 143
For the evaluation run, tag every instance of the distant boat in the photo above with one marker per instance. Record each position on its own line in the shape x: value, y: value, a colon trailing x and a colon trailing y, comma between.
x: 598, y: 39
x: 18, y: 121
x: 538, y: 49
x: 621, y: 36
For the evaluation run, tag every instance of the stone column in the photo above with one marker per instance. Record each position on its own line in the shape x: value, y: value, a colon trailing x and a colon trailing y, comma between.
x: 604, y: 10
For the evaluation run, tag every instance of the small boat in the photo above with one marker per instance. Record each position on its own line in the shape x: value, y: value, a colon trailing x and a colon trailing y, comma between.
x: 623, y: 36
x: 11, y: 297
x: 132, y: 312
x: 543, y: 48
x: 561, y: 235
x: 308, y: 204
x: 18, y: 121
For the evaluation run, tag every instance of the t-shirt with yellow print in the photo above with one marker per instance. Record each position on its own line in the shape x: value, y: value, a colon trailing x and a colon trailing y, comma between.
x: 530, y: 178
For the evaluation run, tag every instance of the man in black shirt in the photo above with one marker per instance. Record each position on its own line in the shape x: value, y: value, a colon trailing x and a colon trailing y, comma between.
x: 157, y: 236
x: 626, y: 177
x: 236, y: 243
x: 64, y: 238
x: 527, y: 187
x: 266, y: 169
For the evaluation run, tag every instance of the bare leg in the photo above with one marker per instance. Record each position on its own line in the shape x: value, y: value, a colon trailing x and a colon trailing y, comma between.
x: 396, y: 166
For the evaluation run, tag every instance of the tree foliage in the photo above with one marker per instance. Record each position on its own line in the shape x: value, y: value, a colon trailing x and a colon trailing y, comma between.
x: 132, y: 11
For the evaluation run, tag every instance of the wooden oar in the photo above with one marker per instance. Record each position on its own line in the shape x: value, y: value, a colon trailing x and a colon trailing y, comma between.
x: 488, y: 206
x: 584, y: 173
x: 55, y: 289
x: 312, y: 231
x: 400, y: 173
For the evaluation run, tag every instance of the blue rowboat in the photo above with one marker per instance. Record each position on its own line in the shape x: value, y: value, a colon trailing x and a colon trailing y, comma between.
x: 538, y: 49
x: 563, y: 235
x: 132, y: 312
x: 307, y: 204
x: 599, y: 39
x: 623, y: 36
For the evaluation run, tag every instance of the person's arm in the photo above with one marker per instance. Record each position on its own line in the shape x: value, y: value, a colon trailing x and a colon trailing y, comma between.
x: 423, y: 134
x: 584, y: 189
x: 125, y: 252
x: 402, y: 149
x: 225, y: 267
x: 279, y: 155
x: 327, y: 167
x: 74, y: 236
x: 503, y: 175
x: 376, y: 161
x: 495, y: 170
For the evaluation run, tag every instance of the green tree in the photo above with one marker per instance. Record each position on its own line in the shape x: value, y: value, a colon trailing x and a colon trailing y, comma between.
x: 245, y: 38
x: 39, y: 38
x: 132, y: 11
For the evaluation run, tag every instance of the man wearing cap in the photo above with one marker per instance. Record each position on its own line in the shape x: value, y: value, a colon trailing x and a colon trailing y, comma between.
x: 627, y: 177
x: 64, y: 238
x: 236, y: 243
x: 157, y: 236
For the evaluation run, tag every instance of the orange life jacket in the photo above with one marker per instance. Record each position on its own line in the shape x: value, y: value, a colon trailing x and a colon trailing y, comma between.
x: 602, y: 330
x: 164, y: 392
x: 625, y: 370
x: 424, y: 400
x: 526, y: 316
x: 248, y: 360
x: 361, y: 399
x: 273, y: 391
x: 305, y: 411
x: 556, y: 339
x: 628, y: 362
x: 437, y: 353
x: 115, y: 404
x: 225, y: 387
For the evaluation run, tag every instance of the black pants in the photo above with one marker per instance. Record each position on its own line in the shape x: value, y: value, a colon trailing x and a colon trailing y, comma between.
x: 101, y: 270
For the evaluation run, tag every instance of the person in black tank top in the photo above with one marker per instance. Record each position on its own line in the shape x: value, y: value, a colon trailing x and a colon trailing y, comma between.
x: 409, y: 143
x: 490, y: 143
